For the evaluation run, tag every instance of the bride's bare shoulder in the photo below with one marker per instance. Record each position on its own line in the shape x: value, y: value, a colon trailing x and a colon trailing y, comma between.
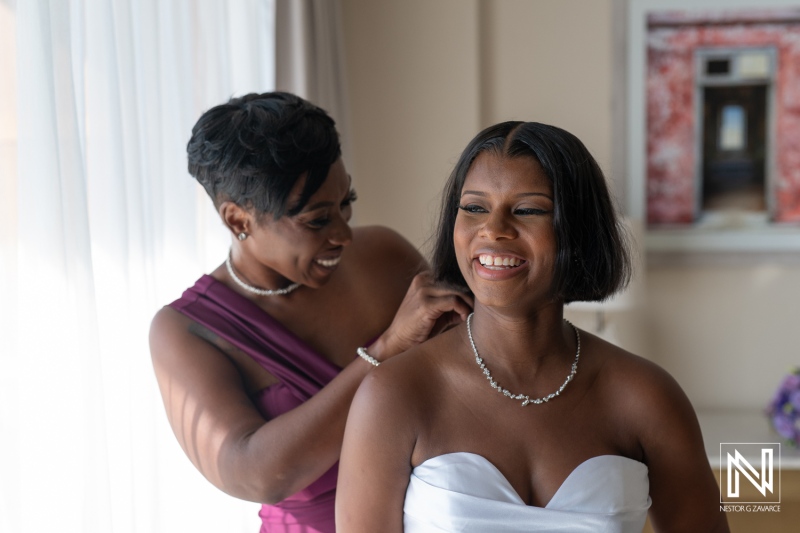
x: 638, y: 392
x: 409, y: 381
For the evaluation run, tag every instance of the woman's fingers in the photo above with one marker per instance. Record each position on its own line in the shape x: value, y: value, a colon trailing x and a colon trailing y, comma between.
x: 426, y: 310
x: 456, y: 310
x: 463, y: 305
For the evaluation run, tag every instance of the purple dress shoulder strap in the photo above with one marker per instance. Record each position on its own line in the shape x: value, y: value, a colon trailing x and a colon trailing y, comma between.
x: 249, y: 328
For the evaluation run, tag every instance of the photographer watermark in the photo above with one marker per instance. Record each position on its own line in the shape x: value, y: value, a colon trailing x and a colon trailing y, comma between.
x: 750, y: 476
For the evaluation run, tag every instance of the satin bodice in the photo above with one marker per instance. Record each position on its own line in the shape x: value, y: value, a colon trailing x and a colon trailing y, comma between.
x: 464, y: 492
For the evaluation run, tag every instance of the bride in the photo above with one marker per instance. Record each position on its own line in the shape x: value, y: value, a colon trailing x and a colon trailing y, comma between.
x: 518, y: 421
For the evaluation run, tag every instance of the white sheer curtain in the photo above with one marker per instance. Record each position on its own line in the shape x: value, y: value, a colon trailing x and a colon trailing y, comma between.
x: 100, y: 225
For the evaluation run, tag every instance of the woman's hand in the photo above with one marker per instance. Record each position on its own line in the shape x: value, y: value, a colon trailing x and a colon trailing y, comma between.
x: 427, y: 310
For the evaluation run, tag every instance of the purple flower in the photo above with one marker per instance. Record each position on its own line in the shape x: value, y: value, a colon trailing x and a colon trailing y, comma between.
x: 780, y: 398
x: 784, y: 409
x: 784, y: 426
x: 791, y: 382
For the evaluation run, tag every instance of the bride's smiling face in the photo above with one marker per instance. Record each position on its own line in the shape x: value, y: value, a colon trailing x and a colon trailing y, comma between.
x: 503, y: 236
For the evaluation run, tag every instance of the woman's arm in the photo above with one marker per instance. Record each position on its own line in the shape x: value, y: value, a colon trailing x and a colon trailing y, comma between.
x: 222, y: 432
x: 683, y: 489
x: 226, y: 437
x: 375, y: 465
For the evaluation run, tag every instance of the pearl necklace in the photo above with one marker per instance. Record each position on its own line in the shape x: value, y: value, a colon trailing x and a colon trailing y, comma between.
x: 256, y: 290
x: 524, y: 397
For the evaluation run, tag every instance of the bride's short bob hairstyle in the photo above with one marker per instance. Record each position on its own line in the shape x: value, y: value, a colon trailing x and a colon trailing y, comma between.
x: 253, y: 149
x: 593, y: 260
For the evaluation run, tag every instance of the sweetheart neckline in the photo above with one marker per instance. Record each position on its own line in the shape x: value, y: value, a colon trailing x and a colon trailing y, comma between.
x: 511, y: 487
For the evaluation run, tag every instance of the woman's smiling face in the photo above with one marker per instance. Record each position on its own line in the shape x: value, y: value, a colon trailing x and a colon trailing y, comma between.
x: 503, y: 236
x: 307, y: 247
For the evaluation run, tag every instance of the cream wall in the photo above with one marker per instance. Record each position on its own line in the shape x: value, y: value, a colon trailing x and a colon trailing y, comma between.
x: 726, y: 333
x: 425, y: 76
x: 412, y: 75
x: 542, y: 62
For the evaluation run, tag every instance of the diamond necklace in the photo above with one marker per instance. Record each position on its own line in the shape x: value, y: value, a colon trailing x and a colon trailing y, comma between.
x: 256, y: 290
x: 524, y: 397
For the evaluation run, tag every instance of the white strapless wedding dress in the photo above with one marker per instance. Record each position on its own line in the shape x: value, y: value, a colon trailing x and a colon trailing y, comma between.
x: 464, y: 492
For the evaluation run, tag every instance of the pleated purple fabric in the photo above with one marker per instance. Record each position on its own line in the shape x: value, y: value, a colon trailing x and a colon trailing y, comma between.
x: 302, y: 372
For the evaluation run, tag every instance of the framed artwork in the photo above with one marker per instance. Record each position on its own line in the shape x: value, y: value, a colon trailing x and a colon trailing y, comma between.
x: 713, y: 123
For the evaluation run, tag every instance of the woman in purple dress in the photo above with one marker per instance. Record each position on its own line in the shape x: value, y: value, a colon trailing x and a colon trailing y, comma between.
x: 257, y: 361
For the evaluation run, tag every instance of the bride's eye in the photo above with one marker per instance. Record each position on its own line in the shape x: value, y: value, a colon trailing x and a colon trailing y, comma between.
x: 352, y: 197
x: 472, y: 208
x: 530, y: 211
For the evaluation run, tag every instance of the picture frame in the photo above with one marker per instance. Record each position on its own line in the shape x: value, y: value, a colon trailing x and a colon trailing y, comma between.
x: 727, y: 235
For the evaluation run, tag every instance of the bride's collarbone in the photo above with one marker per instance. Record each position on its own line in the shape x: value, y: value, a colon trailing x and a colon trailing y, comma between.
x: 533, y: 431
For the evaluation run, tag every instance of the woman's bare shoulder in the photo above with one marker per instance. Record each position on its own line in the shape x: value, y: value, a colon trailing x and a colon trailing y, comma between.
x: 176, y: 342
x: 376, y: 234
x: 381, y: 264
x: 168, y: 326
x: 171, y: 332
x: 379, y: 245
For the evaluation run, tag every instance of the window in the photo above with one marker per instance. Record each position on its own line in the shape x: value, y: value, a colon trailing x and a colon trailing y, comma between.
x: 100, y: 225
x: 732, y: 128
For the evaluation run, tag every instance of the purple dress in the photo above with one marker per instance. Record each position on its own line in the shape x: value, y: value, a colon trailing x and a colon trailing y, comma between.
x: 301, y: 373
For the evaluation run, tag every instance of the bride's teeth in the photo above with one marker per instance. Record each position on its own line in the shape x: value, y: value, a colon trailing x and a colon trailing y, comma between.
x: 491, y: 261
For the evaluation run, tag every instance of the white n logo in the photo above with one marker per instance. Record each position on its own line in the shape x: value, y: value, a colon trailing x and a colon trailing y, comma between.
x: 737, y: 464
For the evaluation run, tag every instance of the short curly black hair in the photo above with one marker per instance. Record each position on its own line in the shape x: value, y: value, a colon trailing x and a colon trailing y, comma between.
x: 253, y: 149
x: 593, y: 259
